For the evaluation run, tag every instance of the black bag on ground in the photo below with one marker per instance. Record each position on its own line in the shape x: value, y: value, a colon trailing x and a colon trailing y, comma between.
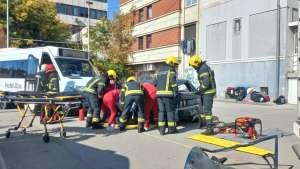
x: 280, y: 100
x: 241, y: 93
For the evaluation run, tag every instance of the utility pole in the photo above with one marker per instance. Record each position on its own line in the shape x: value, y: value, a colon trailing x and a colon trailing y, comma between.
x: 297, y: 121
x: 7, y: 23
x: 88, y: 25
x: 278, y: 51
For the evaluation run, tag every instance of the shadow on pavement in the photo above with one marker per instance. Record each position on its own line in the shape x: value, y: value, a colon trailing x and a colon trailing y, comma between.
x: 31, y: 152
x: 185, y: 127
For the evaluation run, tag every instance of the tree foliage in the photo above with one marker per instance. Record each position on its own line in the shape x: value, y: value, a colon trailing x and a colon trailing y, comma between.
x: 113, y: 38
x: 33, y: 19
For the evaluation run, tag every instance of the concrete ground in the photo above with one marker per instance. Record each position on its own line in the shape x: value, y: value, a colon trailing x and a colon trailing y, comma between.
x: 96, y: 149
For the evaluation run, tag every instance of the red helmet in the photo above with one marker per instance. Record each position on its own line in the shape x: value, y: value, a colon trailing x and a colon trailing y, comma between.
x: 50, y: 68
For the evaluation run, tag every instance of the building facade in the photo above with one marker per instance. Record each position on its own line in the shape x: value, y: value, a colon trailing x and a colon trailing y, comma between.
x: 238, y: 39
x: 75, y: 12
x: 157, y: 32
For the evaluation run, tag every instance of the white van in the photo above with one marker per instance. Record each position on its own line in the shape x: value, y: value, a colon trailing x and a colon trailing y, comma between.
x: 18, y: 67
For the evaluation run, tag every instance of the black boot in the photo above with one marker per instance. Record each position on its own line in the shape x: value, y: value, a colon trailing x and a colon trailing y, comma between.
x: 141, y: 127
x: 162, y: 130
x: 88, y: 122
x: 209, y: 131
x: 172, y: 130
x: 122, y: 127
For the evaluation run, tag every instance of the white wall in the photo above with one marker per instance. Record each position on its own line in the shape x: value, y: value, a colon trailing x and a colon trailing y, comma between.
x: 154, y: 55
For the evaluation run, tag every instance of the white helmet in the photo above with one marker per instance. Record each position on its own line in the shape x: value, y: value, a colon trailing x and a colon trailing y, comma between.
x: 250, y: 90
x: 43, y: 67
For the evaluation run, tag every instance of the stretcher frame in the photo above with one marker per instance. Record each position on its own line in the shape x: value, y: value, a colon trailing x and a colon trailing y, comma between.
x: 61, y: 107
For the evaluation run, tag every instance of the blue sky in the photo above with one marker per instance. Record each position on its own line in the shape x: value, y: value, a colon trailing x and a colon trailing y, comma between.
x: 113, y: 6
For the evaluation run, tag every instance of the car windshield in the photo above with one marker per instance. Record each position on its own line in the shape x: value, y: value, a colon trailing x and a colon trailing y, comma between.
x: 75, y: 67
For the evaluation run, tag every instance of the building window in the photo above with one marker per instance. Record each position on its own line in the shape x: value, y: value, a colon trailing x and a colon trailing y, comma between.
x: 148, y: 41
x: 75, y: 11
x: 141, y: 43
x: 237, y: 25
x: 189, y: 3
x: 61, y: 8
x: 295, y: 14
x: 69, y: 10
x: 93, y: 14
x: 83, y: 12
x: 149, y: 12
x: 141, y: 15
x: 79, y: 11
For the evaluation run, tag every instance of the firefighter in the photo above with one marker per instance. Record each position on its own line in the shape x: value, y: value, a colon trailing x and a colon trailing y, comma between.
x: 53, y: 84
x: 167, y: 90
x: 151, y: 105
x: 92, y: 92
x: 132, y: 92
x: 207, y: 90
x: 41, y: 79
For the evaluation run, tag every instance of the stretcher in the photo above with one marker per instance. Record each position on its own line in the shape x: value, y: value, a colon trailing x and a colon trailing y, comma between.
x: 52, y: 105
x: 228, y: 145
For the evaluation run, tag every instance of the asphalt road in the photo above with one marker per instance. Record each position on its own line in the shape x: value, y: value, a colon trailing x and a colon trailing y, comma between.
x: 97, y: 149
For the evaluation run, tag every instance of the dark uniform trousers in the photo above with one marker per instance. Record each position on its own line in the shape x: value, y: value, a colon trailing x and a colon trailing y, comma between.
x: 207, y: 87
x: 166, y: 91
x: 129, y: 100
x: 93, y: 103
x: 166, y: 111
x: 208, y: 100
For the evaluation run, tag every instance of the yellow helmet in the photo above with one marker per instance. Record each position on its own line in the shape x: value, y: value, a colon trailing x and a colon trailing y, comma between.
x: 131, y: 78
x: 172, y: 60
x: 112, y: 73
x: 195, y: 61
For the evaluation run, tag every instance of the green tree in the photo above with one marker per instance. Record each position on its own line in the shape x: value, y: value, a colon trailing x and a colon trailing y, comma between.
x: 113, y: 39
x: 33, y: 19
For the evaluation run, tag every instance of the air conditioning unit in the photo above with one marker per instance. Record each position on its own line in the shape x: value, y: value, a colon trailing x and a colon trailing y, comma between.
x: 149, y: 67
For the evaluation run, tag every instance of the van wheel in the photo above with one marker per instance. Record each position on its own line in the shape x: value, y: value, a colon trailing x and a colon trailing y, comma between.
x: 3, y: 106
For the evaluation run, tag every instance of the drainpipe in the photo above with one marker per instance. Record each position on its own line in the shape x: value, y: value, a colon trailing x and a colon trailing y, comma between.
x: 198, y: 31
x: 278, y: 51
x: 182, y: 22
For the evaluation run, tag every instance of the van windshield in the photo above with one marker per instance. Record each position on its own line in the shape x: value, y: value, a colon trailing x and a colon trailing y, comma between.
x: 75, y: 67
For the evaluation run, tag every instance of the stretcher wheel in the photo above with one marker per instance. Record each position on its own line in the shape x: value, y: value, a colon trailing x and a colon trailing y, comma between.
x: 7, y: 134
x: 46, y: 138
x: 63, y: 133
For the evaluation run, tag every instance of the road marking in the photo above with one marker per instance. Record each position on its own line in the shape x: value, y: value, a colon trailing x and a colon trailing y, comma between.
x: 2, y: 162
x: 188, y: 147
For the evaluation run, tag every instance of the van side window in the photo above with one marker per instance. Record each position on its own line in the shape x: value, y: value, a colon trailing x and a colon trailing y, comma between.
x: 32, y: 65
x: 19, y: 68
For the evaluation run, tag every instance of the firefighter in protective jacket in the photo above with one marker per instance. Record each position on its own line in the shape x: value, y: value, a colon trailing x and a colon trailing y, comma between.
x: 92, y: 92
x: 53, y: 84
x: 167, y: 90
x: 132, y: 92
x: 207, y: 90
